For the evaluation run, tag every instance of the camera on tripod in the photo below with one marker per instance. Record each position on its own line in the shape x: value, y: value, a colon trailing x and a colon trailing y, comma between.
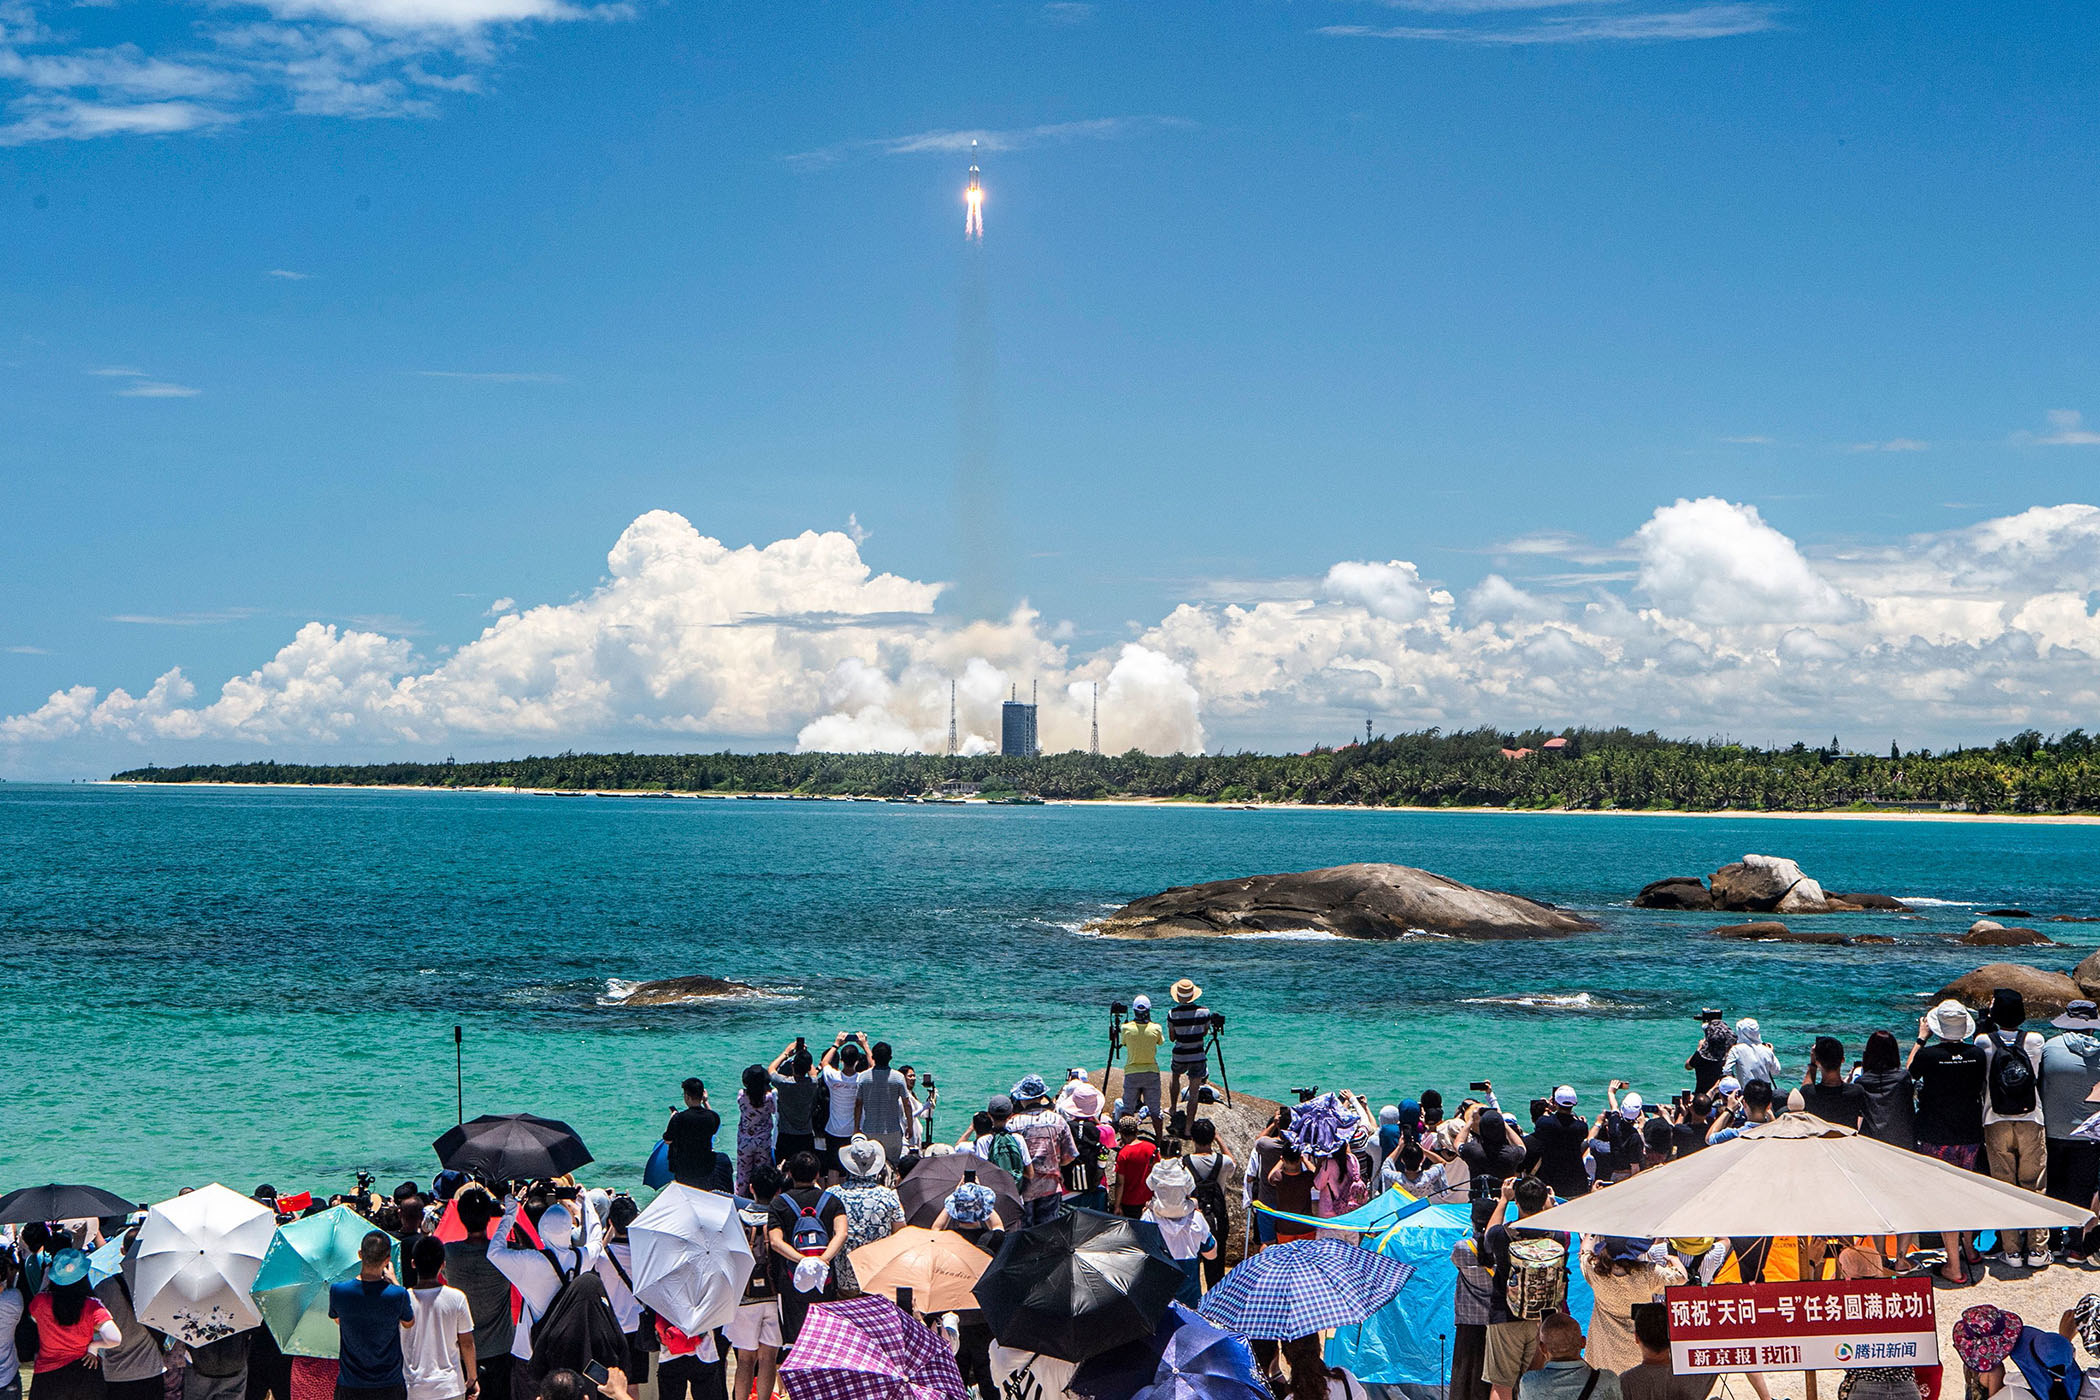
x: 1307, y: 1095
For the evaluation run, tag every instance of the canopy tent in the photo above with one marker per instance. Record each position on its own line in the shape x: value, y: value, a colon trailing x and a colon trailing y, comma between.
x: 1799, y: 1175
x: 1397, y: 1345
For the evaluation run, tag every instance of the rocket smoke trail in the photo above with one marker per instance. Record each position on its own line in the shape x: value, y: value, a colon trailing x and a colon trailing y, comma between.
x: 982, y: 590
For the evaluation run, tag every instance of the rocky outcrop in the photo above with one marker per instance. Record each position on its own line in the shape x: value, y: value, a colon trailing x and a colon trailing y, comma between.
x: 1771, y: 931
x: 2074, y: 918
x: 1759, y: 885
x: 674, y: 991
x: 1867, y: 900
x: 2046, y: 993
x: 1349, y: 901
x: 2087, y: 976
x: 2007, y: 914
x: 1677, y: 892
x: 1989, y: 933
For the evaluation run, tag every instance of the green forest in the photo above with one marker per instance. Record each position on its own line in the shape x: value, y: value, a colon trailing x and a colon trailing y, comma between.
x: 1596, y: 769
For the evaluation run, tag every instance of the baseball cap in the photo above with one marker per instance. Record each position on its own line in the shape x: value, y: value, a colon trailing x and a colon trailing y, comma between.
x: 1630, y: 1106
x: 1141, y: 1003
x: 1565, y: 1095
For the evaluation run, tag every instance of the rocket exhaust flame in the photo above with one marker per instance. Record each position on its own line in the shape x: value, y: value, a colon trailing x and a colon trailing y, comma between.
x: 973, y: 200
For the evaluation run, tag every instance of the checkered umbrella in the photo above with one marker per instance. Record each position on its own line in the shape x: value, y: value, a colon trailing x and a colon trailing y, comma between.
x: 867, y: 1348
x: 1306, y: 1286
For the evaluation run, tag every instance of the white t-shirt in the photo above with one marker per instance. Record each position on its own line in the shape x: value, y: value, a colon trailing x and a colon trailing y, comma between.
x: 1993, y: 1046
x: 430, y: 1348
x: 844, y: 1090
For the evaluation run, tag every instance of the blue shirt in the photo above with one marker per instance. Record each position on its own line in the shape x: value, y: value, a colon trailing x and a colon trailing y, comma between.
x: 370, y: 1312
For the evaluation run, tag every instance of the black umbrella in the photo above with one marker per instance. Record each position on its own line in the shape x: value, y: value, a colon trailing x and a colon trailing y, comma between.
x: 926, y: 1190
x: 512, y: 1147
x: 55, y: 1202
x: 1078, y: 1286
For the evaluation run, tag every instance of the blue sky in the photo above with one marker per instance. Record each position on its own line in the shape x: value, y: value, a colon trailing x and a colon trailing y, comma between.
x: 373, y: 312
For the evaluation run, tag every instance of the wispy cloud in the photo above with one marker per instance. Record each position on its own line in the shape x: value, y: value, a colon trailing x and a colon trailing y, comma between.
x: 2066, y: 429
x: 137, y: 385
x: 1721, y: 21
x: 287, y: 274
x: 953, y: 141
x: 1068, y: 12
x: 1892, y: 445
x: 493, y: 376
x: 188, y: 619
x: 26, y: 651
x: 347, y: 58
x: 1748, y: 440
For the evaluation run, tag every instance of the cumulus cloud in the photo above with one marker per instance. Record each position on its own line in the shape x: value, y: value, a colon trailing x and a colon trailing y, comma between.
x: 1727, y: 624
x: 2066, y: 429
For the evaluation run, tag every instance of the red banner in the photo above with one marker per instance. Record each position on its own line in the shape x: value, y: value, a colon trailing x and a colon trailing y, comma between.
x: 1803, y: 1326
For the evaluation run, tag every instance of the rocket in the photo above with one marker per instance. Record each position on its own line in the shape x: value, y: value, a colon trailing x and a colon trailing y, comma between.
x: 973, y: 201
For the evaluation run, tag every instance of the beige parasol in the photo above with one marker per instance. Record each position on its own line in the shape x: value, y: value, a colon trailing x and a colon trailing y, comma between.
x: 1798, y: 1175
x: 940, y: 1267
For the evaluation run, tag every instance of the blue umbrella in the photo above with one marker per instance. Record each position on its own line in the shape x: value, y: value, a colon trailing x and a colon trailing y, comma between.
x: 1306, y: 1286
x: 1186, y: 1359
x: 106, y: 1263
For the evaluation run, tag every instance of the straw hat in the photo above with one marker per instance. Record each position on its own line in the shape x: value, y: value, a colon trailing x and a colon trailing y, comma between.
x: 1185, y: 992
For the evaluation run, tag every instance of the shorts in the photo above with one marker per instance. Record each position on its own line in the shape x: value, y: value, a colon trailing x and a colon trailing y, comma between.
x: 755, y: 1325
x: 1959, y: 1154
x: 1509, y: 1347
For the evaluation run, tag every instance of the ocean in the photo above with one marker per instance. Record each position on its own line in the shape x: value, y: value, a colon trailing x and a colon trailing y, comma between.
x: 254, y: 985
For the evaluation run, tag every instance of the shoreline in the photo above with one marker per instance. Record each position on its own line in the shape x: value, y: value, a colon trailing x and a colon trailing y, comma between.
x: 1826, y: 814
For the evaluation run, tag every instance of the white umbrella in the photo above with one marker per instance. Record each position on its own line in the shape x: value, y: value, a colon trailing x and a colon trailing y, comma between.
x: 690, y: 1258
x: 1798, y: 1175
x: 196, y: 1257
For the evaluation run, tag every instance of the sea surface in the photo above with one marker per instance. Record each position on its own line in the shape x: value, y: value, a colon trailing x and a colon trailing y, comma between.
x: 257, y: 985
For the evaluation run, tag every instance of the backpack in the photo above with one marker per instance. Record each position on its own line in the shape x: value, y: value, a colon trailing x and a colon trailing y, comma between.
x: 755, y: 1219
x: 811, y: 1236
x: 578, y: 1327
x: 2012, y: 1076
x: 1537, y: 1280
x: 1008, y: 1153
x: 1209, y: 1195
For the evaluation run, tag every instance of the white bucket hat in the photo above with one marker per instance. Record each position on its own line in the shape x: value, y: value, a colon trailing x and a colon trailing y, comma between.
x: 1950, y: 1020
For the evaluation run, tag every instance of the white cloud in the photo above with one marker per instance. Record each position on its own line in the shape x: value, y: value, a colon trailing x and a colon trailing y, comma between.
x: 2066, y: 429
x: 492, y: 376
x: 1891, y: 445
x: 156, y: 389
x: 286, y: 274
x: 1712, y: 561
x: 248, y: 58
x: 950, y: 141
x: 1717, y: 21
x: 1728, y: 625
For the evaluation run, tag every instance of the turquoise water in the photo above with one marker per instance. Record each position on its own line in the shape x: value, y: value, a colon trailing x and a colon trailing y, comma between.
x: 261, y: 985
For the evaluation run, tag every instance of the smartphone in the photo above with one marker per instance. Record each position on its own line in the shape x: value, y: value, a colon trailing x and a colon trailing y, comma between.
x: 798, y: 1043
x: 1479, y: 1086
x: 596, y: 1373
x: 1654, y: 1109
x: 969, y: 1173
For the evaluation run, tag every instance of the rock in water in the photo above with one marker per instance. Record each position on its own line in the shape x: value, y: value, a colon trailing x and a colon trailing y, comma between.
x: 1989, y: 933
x: 1763, y: 884
x: 2087, y: 975
x: 1770, y: 931
x: 2046, y: 993
x: 1867, y: 900
x: 1677, y: 892
x: 1350, y: 901
x: 671, y: 991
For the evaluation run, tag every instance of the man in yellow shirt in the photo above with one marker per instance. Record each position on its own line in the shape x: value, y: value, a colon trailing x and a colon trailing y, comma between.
x: 1142, y: 1037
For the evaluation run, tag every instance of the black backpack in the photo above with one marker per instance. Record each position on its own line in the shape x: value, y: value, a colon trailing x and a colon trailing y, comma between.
x: 578, y: 1327
x: 2012, y: 1081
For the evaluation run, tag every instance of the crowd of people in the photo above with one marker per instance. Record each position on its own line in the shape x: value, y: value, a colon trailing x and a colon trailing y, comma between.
x: 826, y: 1144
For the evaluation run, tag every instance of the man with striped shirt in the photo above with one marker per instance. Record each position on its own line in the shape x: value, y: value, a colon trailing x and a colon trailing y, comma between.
x: 1188, y: 1031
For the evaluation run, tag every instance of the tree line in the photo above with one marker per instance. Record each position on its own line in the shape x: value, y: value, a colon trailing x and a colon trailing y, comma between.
x: 1597, y: 769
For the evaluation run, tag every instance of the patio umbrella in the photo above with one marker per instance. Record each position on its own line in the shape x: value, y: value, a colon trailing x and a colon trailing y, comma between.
x: 1078, y: 1286
x: 691, y: 1261
x: 291, y: 1288
x: 925, y: 1191
x: 866, y: 1348
x: 940, y: 1268
x: 1306, y: 1286
x: 197, y: 1255
x: 55, y: 1202
x: 1186, y: 1359
x: 1798, y: 1175
x: 512, y: 1147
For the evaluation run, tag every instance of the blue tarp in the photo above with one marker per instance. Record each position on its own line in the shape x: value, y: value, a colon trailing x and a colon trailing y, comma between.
x: 1383, y: 1211
x: 1398, y: 1344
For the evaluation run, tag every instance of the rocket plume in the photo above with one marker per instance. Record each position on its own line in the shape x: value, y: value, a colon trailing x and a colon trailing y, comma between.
x: 973, y: 201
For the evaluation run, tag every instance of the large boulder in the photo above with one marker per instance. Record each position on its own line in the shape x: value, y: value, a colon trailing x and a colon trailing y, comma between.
x: 1677, y: 892
x: 1759, y: 884
x: 2087, y: 975
x: 679, y: 991
x: 1989, y: 933
x: 2046, y: 993
x: 1350, y: 901
x: 1771, y: 931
